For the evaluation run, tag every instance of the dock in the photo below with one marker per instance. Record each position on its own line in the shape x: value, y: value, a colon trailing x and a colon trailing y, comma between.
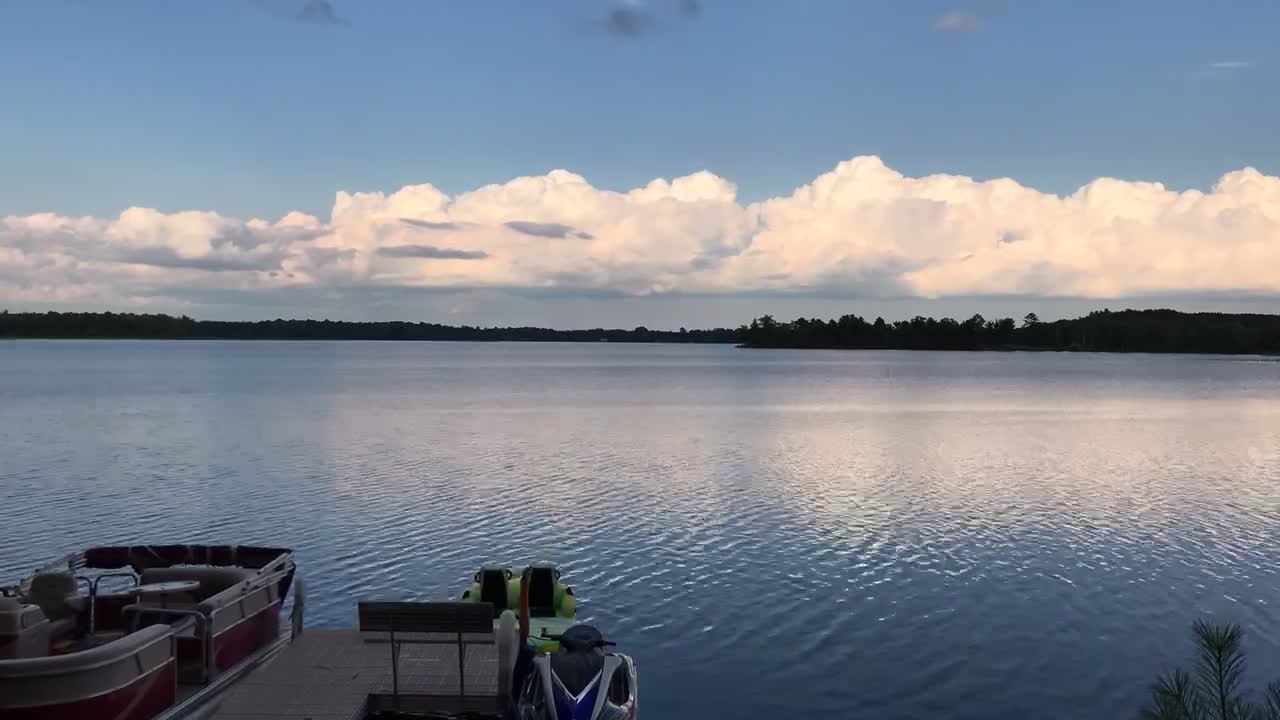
x: 348, y: 675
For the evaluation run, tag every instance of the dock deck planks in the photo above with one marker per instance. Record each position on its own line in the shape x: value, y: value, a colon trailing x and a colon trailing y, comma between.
x: 346, y: 674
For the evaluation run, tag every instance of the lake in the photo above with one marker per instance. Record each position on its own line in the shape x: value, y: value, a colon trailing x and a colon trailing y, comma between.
x: 862, y: 534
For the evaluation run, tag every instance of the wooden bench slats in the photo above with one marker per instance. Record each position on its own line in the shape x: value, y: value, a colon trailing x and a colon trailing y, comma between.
x: 425, y: 617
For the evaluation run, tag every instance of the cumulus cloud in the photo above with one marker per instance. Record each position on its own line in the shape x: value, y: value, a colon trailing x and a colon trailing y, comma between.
x: 1011, y: 236
x: 547, y: 230
x: 430, y: 225
x: 51, y: 258
x: 431, y: 251
x: 860, y: 230
x: 166, y: 257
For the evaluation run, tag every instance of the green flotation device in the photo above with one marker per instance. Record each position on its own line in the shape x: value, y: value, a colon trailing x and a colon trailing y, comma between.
x: 500, y: 587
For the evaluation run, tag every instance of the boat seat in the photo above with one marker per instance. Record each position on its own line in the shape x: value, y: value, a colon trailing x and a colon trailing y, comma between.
x: 542, y: 592
x: 24, y: 630
x: 580, y: 658
x: 61, y: 601
x: 213, y: 580
x: 57, y: 686
x: 493, y: 589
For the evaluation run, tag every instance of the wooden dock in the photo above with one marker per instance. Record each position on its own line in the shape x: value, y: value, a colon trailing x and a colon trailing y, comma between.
x: 347, y: 675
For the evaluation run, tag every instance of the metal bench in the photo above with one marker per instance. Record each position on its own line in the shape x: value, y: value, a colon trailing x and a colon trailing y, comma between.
x: 451, y: 618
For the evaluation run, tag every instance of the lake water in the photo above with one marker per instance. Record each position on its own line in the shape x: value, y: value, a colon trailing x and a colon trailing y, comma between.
x: 866, y: 534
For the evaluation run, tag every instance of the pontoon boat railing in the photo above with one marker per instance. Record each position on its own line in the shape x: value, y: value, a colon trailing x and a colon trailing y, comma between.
x: 201, y: 631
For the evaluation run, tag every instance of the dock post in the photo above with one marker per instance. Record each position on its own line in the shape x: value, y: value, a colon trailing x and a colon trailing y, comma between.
x: 462, y: 674
x: 395, y: 671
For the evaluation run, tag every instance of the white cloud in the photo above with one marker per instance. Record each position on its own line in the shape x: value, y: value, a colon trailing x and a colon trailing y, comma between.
x: 1224, y: 67
x: 861, y: 229
x: 956, y: 21
x: 1230, y: 65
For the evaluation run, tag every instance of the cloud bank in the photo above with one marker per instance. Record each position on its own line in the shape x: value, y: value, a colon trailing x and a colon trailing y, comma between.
x: 860, y: 230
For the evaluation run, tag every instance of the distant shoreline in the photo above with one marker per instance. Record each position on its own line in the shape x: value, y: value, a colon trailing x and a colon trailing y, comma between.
x: 109, y: 338
x: 131, y: 326
x: 741, y: 346
x: 1128, y: 331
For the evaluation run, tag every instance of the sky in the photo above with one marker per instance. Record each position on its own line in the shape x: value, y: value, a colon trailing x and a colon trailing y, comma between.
x: 658, y: 162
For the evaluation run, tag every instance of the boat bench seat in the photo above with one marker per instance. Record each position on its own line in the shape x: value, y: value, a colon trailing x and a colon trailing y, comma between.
x: 51, y: 686
x: 59, y: 598
x: 24, y: 630
x: 235, y: 604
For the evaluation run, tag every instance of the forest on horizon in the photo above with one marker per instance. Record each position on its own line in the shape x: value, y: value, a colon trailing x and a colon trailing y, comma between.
x: 1153, y: 331
x: 1157, y: 331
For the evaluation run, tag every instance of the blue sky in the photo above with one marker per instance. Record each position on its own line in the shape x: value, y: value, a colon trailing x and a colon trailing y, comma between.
x: 232, y: 106
x: 252, y: 108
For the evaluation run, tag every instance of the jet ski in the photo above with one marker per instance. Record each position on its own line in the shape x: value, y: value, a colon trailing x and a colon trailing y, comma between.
x: 582, y: 680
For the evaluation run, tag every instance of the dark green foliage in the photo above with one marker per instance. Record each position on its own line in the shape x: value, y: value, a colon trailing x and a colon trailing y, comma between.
x: 1215, y: 691
x: 1272, y: 699
x: 1220, y: 664
x: 1173, y: 697
x: 1158, y: 331
x: 129, y: 325
x: 1103, y: 331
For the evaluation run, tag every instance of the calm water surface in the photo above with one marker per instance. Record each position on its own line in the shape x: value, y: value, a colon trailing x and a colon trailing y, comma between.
x: 874, y: 535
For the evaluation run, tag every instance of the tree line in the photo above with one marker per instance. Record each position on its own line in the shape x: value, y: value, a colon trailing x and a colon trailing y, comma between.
x: 1156, y: 331
x: 167, y: 327
x: 1161, y: 331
